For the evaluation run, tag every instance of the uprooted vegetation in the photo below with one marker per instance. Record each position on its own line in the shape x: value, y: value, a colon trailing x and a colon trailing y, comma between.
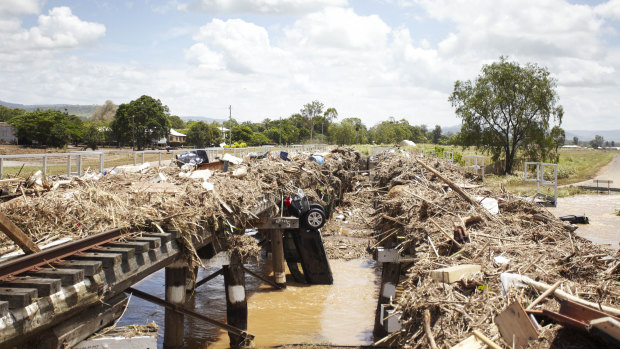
x: 427, y: 219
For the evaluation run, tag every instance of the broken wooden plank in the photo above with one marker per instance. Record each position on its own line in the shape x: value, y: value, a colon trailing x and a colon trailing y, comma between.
x: 581, y: 312
x: 17, y: 235
x: 609, y: 326
x: 486, y: 340
x: 471, y: 342
x: 454, y: 273
x: 515, y: 326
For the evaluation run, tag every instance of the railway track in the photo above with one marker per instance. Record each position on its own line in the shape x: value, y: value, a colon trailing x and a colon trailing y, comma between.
x: 45, y: 297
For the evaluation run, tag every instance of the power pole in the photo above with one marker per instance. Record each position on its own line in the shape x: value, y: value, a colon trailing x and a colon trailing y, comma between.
x: 311, y: 125
x: 280, y: 130
x: 230, y: 125
x: 133, y: 132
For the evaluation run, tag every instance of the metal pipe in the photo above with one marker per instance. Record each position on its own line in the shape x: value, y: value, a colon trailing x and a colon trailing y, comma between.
x: 182, y: 310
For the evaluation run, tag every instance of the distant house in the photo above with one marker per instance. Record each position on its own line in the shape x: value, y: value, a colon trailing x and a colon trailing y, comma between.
x: 176, y: 138
x: 570, y: 146
x: 7, y: 133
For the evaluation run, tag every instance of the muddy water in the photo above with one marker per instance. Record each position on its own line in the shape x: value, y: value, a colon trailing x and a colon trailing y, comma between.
x: 341, y: 314
x: 604, y: 227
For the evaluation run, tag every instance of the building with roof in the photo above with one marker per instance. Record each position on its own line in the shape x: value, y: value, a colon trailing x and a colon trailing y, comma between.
x: 7, y: 133
x: 176, y: 138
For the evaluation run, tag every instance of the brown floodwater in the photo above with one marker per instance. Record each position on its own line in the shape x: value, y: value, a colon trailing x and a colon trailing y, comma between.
x: 339, y: 314
x: 604, y: 227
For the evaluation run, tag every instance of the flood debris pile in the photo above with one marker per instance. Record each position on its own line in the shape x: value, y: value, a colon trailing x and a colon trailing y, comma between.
x: 185, y: 199
x: 474, y: 258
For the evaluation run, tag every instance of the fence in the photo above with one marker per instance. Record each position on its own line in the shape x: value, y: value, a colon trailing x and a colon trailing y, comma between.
x: 76, y: 160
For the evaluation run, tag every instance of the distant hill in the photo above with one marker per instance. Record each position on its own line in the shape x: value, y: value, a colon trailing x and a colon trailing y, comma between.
x: 83, y: 111
x: 202, y: 118
x: 583, y: 135
x: 586, y: 135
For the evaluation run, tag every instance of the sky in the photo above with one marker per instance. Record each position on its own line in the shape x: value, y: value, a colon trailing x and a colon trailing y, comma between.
x: 370, y: 59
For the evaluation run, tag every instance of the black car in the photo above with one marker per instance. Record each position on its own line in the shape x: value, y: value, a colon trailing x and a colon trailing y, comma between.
x: 311, y: 215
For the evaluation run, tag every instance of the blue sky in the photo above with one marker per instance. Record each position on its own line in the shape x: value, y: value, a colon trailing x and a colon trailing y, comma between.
x: 266, y: 58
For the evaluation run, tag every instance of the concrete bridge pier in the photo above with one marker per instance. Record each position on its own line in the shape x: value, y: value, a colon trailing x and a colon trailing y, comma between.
x: 236, y: 301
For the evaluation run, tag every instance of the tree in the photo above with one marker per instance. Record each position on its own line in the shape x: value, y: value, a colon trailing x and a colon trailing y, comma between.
x: 310, y: 110
x: 47, y: 127
x: 436, y: 134
x: 597, y: 142
x: 201, y: 134
x: 176, y: 122
x: 576, y: 140
x: 105, y: 112
x: 140, y: 122
x: 93, y: 136
x: 329, y: 115
x: 507, y: 107
x: 7, y: 114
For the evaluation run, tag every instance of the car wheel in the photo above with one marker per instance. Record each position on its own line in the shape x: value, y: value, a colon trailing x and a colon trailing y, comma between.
x: 315, y: 218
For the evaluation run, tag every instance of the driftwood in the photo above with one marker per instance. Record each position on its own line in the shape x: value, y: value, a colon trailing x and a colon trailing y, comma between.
x: 427, y: 329
x: 563, y: 295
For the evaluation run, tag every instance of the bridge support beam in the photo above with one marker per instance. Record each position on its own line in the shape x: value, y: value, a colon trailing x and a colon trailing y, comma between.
x: 277, y: 258
x: 236, y: 302
x: 176, y: 275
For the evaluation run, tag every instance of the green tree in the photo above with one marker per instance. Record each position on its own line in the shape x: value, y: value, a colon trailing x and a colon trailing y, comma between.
x: 576, y: 140
x: 140, y: 122
x: 597, y: 142
x: 47, y: 127
x: 436, y: 134
x: 7, y: 114
x: 506, y: 108
x: 93, y: 135
x: 310, y: 111
x: 176, y: 122
x: 201, y: 134
x: 242, y: 133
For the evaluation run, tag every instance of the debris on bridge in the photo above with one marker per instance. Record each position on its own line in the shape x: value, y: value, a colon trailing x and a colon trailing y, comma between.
x: 186, y: 200
x: 433, y: 226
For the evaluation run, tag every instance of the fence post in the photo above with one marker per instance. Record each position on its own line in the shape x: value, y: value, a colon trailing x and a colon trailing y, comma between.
x: 69, y: 165
x: 1, y: 168
x: 79, y: 165
x: 101, y: 162
x: 44, y: 165
x: 159, y: 156
x: 135, y: 158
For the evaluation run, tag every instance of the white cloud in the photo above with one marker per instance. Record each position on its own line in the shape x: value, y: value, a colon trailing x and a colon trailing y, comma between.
x: 240, y: 46
x: 338, y: 29
x: 19, y: 7
x: 60, y: 29
x: 260, y: 6
x: 610, y: 9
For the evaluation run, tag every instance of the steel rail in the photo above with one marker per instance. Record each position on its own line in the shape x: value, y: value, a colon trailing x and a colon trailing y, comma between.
x: 52, y: 254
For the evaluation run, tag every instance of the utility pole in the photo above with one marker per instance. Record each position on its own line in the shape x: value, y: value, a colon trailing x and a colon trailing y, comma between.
x: 133, y: 132
x: 311, y: 124
x: 230, y: 125
x: 280, y: 130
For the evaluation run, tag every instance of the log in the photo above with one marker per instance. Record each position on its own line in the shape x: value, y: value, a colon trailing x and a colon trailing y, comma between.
x: 450, y: 183
x: 541, y: 286
x: 17, y: 235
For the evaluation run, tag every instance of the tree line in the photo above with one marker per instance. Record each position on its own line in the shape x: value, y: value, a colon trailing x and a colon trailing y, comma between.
x: 145, y: 120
